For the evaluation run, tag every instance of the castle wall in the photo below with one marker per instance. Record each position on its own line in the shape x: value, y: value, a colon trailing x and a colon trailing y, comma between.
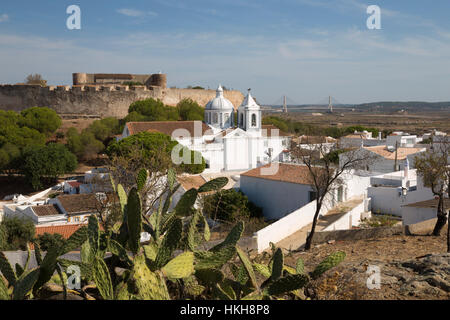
x: 98, y: 100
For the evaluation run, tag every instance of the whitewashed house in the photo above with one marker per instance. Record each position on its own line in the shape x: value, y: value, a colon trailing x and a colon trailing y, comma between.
x: 391, y: 191
x: 421, y: 211
x: 402, y: 139
x: 357, y: 139
x: 224, y: 146
x: 382, y: 159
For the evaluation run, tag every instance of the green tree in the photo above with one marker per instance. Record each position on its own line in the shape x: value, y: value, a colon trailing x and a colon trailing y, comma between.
x: 74, y: 143
x: 230, y: 205
x: 17, y: 232
x: 154, y: 110
x: 91, y: 145
x: 9, y: 156
x: 42, y: 119
x: 188, y: 109
x: 50, y: 240
x: 46, y: 162
x: 155, y: 148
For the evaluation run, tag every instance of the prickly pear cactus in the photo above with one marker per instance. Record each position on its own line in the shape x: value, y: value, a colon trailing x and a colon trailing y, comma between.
x: 148, y: 285
x: 134, y: 220
x: 329, y: 262
x: 182, y: 266
x: 287, y: 283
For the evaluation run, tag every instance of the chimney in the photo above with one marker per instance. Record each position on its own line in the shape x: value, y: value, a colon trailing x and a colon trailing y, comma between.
x: 406, y: 168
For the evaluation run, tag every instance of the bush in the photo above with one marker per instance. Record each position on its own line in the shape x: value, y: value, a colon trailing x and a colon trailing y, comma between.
x: 156, y: 148
x: 44, y: 120
x: 230, y: 205
x: 188, y: 109
x: 154, y: 110
x: 50, y: 240
x: 17, y: 232
x: 46, y: 162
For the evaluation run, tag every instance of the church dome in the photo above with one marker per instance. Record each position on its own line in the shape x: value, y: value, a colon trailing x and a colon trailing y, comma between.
x: 219, y: 102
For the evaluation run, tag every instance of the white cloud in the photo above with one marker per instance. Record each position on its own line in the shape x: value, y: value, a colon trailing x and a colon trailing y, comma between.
x: 136, y: 13
x: 4, y: 17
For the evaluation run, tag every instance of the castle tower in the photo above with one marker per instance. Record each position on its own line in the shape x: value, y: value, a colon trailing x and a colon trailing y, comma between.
x: 219, y: 112
x: 79, y: 78
x: 249, y: 115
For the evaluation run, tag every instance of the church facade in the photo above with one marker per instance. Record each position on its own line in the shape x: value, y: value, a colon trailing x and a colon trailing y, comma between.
x: 228, y: 141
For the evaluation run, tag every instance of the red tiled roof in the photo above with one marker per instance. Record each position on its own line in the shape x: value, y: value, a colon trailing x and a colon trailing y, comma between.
x: 168, y: 127
x: 65, y: 230
x: 46, y: 210
x: 286, y: 173
x: 79, y: 203
x: 74, y: 184
x: 402, y: 153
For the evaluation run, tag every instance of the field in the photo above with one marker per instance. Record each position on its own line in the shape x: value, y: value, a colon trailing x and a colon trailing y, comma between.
x: 411, y: 122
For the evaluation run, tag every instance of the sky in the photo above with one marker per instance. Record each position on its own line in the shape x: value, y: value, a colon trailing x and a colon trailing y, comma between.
x: 305, y: 49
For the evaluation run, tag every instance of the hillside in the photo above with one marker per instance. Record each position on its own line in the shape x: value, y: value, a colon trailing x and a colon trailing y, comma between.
x: 407, y: 270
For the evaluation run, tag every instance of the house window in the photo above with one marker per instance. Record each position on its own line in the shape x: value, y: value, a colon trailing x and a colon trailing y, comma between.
x: 266, y: 143
x: 253, y: 120
x: 312, y: 196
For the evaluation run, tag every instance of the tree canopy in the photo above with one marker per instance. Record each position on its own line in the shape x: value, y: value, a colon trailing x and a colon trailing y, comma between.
x: 156, y: 148
x: 46, y: 162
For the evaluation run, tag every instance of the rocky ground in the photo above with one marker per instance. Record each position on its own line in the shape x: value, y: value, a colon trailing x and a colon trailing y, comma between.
x: 411, y: 267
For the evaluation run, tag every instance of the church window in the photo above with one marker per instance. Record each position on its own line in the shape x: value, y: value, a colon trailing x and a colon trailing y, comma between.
x: 241, y: 122
x: 215, y: 118
x: 253, y: 120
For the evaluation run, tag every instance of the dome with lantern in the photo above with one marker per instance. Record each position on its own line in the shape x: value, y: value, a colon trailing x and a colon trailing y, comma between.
x: 219, y: 111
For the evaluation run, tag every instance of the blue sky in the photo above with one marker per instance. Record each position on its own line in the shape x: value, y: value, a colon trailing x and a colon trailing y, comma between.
x: 306, y: 49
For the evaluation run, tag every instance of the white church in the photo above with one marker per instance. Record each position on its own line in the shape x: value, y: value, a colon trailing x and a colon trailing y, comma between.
x: 225, y: 146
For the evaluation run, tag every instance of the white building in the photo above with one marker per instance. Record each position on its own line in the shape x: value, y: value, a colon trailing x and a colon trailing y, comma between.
x: 421, y: 211
x: 402, y: 139
x: 224, y: 146
x: 357, y: 139
x: 390, y: 192
x: 382, y: 159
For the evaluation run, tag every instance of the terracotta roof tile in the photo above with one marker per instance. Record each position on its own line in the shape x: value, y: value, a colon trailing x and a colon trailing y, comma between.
x: 74, y: 184
x: 65, y: 230
x: 46, y: 210
x: 402, y: 153
x: 78, y: 203
x: 168, y: 127
x: 286, y: 173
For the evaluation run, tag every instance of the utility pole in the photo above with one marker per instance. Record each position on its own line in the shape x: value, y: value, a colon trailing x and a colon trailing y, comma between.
x: 395, y: 163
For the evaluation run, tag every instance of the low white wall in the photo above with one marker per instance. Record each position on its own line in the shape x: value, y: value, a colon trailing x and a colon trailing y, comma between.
x: 351, y: 218
x: 389, y: 201
x: 288, y: 225
x: 412, y: 215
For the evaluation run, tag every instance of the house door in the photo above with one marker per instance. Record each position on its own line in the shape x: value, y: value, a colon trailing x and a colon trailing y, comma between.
x: 340, y: 194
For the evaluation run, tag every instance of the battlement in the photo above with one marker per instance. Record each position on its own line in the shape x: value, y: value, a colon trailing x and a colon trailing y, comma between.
x: 100, y: 100
x: 158, y: 80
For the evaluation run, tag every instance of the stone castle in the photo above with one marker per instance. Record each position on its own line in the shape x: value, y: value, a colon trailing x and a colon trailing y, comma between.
x: 102, y: 95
